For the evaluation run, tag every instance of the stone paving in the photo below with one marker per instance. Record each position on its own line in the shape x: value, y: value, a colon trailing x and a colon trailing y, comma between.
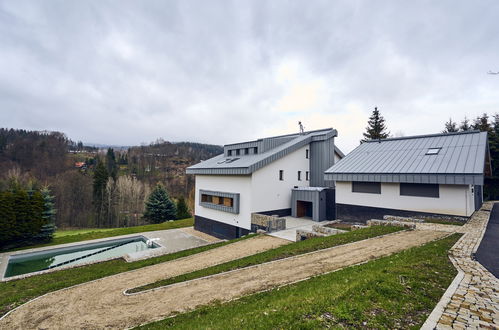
x: 472, y: 300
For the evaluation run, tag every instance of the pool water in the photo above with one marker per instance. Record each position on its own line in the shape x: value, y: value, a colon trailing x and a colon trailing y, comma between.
x: 55, y: 258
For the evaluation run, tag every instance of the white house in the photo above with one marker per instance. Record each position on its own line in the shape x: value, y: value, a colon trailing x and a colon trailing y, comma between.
x: 439, y: 174
x: 280, y: 175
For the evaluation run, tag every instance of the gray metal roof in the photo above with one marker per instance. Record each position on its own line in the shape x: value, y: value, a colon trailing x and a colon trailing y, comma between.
x: 460, y: 160
x: 247, y: 164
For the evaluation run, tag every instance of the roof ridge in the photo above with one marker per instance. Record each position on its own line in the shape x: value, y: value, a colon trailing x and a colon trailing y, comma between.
x: 424, y: 136
x: 285, y: 135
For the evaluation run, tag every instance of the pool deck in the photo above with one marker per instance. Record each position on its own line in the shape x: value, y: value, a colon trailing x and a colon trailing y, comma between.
x: 170, y: 241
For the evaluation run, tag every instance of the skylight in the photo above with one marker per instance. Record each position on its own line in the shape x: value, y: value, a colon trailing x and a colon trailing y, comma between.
x: 433, y: 151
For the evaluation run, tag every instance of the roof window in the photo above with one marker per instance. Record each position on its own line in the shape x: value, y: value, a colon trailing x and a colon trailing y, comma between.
x: 433, y: 151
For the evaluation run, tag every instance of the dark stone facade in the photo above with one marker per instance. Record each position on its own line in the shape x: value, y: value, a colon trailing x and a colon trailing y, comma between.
x: 358, y: 213
x: 218, y: 229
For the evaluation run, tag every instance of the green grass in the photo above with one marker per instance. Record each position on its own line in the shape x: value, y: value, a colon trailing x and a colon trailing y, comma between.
x: 398, y: 291
x: 445, y: 221
x: 72, y: 236
x: 284, y: 251
x: 16, y: 292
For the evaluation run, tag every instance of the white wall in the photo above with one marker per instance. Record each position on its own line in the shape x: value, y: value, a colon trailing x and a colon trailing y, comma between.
x: 268, y: 192
x: 226, y: 183
x: 453, y: 200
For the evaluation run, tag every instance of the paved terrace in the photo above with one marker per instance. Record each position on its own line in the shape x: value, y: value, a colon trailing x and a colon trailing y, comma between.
x: 472, y: 300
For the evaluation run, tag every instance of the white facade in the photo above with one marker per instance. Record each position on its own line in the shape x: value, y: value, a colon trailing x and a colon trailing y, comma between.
x: 455, y: 200
x: 259, y: 192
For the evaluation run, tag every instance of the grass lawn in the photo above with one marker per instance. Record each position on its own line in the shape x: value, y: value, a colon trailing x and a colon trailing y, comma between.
x: 72, y: 236
x: 398, y: 291
x: 281, y: 252
x: 17, y: 292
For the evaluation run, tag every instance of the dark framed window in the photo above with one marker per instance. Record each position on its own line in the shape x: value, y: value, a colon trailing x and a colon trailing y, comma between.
x: 281, y: 175
x: 366, y: 187
x: 221, y: 201
x: 246, y: 151
x: 255, y: 150
x: 238, y: 152
x: 307, y: 154
x: 299, y: 175
x: 307, y: 177
x: 420, y: 190
x: 229, y: 153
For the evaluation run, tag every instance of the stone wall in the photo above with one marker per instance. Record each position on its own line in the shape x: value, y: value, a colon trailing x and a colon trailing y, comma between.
x: 374, y: 222
x: 268, y: 223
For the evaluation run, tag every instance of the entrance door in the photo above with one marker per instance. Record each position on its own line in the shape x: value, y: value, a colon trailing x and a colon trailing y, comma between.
x: 304, y: 209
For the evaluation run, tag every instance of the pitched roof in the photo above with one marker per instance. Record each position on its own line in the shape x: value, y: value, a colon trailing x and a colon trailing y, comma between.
x: 271, y: 149
x: 458, y: 158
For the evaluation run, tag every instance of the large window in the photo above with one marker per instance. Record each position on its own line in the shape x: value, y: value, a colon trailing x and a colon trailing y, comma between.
x: 221, y: 201
x: 366, y: 187
x: 419, y: 190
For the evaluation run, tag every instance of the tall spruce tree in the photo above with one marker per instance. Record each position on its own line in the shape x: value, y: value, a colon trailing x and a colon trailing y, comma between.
x: 112, y: 168
x: 49, y: 211
x: 182, y: 209
x: 450, y: 126
x: 159, y: 206
x: 465, y: 125
x: 482, y: 124
x: 376, y: 128
x: 100, y: 181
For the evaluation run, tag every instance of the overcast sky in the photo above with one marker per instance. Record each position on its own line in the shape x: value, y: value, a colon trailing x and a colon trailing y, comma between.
x: 126, y: 72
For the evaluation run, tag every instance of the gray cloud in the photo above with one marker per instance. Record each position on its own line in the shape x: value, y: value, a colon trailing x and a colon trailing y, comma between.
x: 220, y: 71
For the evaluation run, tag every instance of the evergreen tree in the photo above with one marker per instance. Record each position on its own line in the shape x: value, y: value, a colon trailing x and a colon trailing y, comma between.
x: 159, y: 207
x: 450, y: 126
x: 376, y: 128
x: 7, y: 218
x: 49, y: 211
x: 465, y: 125
x: 182, y: 209
x: 112, y: 168
x: 482, y: 124
x: 100, y: 181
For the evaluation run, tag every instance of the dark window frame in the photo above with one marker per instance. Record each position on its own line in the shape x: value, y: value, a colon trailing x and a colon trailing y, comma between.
x: 307, y: 154
x: 281, y: 175
x: 307, y: 176
x: 365, y: 187
x: 299, y: 175
x: 229, y: 152
x: 238, y: 152
x: 246, y: 151
x: 428, y: 190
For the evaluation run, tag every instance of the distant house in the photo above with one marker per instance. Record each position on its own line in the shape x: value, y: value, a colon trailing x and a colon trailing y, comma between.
x: 282, y: 175
x: 440, y: 174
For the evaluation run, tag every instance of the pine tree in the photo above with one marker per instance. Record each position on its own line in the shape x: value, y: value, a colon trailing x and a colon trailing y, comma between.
x: 465, y: 125
x: 182, y: 209
x: 159, y: 207
x: 450, y: 126
x: 100, y: 181
x: 482, y: 124
x: 112, y: 168
x: 376, y: 128
x: 49, y: 211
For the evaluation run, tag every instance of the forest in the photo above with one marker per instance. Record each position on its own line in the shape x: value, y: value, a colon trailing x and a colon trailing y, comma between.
x: 94, y: 187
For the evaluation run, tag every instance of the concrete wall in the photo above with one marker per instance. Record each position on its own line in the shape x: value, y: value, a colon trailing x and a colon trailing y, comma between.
x: 226, y: 183
x: 453, y: 200
x: 268, y: 192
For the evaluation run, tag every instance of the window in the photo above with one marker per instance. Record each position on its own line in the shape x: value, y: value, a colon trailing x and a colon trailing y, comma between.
x: 255, y: 150
x: 299, y: 175
x: 229, y: 153
x: 433, y: 151
x: 281, y: 175
x: 220, y: 201
x: 246, y: 151
x: 306, y: 154
x: 366, y: 187
x: 419, y: 190
x: 238, y: 152
x: 306, y: 176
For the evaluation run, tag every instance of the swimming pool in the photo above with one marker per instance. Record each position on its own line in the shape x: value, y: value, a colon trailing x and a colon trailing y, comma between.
x: 26, y: 263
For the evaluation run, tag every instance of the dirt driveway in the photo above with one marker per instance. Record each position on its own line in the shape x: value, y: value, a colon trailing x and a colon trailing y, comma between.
x: 101, y: 304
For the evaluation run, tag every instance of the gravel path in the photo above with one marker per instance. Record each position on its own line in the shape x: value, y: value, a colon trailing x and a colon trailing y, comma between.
x: 101, y: 304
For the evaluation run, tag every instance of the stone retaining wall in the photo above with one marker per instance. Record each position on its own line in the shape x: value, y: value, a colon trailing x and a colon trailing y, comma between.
x: 375, y: 222
x: 268, y: 223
